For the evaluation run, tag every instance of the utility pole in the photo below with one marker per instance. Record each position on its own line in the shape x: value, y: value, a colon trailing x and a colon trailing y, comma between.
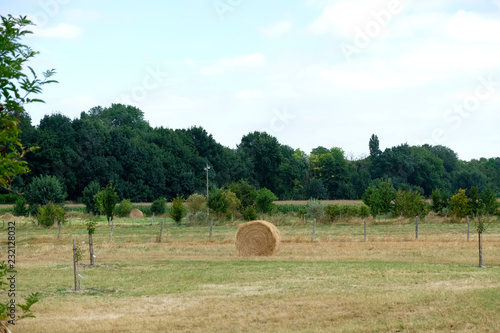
x: 206, y: 169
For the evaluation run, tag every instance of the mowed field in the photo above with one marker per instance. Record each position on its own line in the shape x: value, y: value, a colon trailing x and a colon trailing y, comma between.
x: 188, y: 283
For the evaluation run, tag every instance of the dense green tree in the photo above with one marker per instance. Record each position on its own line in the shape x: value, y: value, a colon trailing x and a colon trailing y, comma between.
x: 489, y: 199
x: 45, y: 189
x: 410, y: 204
x: 379, y: 197
x: 218, y: 201
x: 178, y: 210
x: 88, y: 197
x: 374, y: 146
x: 245, y: 192
x: 159, y: 206
x: 106, y: 199
x: 264, y: 202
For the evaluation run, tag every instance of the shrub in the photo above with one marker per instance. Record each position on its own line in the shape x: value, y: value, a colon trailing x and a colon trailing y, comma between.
x: 49, y: 213
x: 249, y: 213
x: 440, y: 199
x: 20, y: 207
x: 218, y: 201
x: 196, y: 203
x: 489, y: 199
x: 124, y: 208
x: 315, y: 208
x: 348, y: 210
x: 197, y: 217
x: 106, y: 200
x: 245, y: 192
x: 459, y: 204
x: 379, y: 197
x: 159, y: 206
x: 88, y: 197
x: 364, y: 211
x: 8, y: 198
x: 410, y: 204
x: 45, y: 189
x: 332, y: 211
x: 178, y: 210
x: 233, y: 203
x: 265, y: 201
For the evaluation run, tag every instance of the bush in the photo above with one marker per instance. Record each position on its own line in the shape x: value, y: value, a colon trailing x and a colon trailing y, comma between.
x: 265, y: 201
x: 245, y: 192
x: 159, y: 206
x: 249, y: 213
x: 196, y: 203
x: 410, y: 204
x: 49, y: 213
x: 106, y: 200
x: 364, y: 211
x: 8, y: 198
x: 459, y: 204
x: 45, y: 189
x: 20, y: 207
x: 218, y: 201
x: 198, y: 217
x: 88, y: 197
x: 379, y: 197
x: 315, y: 208
x: 349, y: 210
x: 333, y: 212
x: 178, y: 210
x: 124, y: 208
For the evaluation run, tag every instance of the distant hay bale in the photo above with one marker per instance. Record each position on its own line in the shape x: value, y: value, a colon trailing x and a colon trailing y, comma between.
x: 136, y: 214
x: 257, y: 238
x: 8, y: 217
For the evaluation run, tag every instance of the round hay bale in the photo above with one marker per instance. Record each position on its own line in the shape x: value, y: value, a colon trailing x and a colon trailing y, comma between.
x: 136, y: 214
x: 257, y: 238
x: 9, y: 217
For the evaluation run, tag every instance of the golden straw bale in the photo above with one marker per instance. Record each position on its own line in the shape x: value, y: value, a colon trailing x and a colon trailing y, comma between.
x: 136, y: 214
x: 8, y: 217
x: 257, y: 238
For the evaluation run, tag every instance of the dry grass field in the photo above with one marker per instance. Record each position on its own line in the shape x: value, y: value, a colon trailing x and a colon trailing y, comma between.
x: 188, y: 283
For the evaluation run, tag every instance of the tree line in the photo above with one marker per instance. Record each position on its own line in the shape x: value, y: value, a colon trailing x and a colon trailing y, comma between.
x: 145, y: 163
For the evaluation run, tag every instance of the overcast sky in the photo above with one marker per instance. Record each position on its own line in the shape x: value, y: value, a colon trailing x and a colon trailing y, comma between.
x: 309, y: 72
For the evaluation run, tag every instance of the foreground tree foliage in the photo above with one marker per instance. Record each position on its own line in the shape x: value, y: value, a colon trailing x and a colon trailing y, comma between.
x: 17, y: 84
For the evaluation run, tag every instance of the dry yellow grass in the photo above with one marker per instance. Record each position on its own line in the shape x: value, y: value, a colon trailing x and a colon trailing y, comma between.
x: 391, y: 283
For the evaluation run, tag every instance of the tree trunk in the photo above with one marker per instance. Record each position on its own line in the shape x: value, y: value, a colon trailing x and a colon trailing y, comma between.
x: 91, y: 250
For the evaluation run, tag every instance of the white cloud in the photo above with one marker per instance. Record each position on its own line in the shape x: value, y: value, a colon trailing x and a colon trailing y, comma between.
x: 250, y: 94
x: 62, y: 30
x: 276, y: 29
x: 473, y: 28
x: 343, y: 17
x: 78, y: 14
x: 227, y: 64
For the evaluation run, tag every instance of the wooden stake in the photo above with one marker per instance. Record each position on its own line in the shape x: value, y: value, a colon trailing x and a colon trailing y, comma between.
x: 211, y: 227
x: 365, y: 228
x: 74, y: 261
x: 161, y: 232
x: 416, y: 227
x: 314, y: 230
x: 468, y: 227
